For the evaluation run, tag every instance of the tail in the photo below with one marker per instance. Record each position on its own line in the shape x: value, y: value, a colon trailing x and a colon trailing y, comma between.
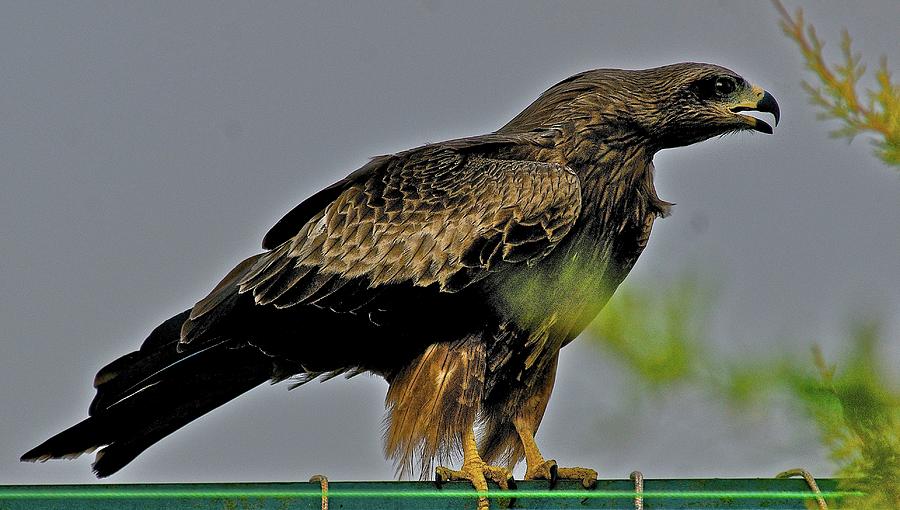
x: 148, y: 394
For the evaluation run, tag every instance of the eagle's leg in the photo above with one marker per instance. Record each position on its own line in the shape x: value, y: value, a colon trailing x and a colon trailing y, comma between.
x: 475, y: 470
x: 539, y: 469
x: 529, y: 411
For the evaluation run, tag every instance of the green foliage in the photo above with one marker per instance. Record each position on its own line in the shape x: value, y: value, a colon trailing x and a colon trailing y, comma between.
x: 661, y: 336
x: 856, y: 410
x: 837, y: 93
x: 858, y: 416
x: 656, y: 335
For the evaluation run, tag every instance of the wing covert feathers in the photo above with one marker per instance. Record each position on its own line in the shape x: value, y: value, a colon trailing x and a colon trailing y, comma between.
x: 434, y: 217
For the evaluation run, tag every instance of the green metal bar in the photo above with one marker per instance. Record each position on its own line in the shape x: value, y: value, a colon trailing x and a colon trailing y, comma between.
x: 744, y: 494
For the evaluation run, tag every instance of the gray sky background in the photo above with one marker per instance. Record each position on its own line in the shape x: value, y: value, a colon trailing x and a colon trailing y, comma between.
x: 146, y: 147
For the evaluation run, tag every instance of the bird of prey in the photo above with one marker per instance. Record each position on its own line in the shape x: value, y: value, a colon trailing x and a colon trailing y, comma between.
x: 456, y: 271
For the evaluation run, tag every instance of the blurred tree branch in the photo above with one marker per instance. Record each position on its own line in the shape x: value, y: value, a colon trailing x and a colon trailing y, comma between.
x: 873, y: 111
x: 858, y: 416
x: 661, y: 335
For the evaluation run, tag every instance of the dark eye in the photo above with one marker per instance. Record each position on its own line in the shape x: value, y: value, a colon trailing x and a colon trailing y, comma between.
x: 725, y: 85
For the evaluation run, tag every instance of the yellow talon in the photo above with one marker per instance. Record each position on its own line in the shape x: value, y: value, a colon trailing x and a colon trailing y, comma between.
x: 587, y: 476
x: 475, y: 470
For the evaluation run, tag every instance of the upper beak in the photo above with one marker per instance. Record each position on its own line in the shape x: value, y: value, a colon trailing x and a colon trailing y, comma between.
x: 761, y: 101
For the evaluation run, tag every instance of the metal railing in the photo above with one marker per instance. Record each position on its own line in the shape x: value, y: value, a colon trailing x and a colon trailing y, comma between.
x: 672, y: 494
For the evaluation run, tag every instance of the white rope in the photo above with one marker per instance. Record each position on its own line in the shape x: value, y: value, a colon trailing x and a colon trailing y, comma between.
x: 323, y: 482
x: 820, y: 501
x: 638, y: 478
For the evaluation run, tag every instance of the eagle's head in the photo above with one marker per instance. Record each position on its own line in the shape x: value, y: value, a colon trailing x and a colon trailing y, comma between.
x: 689, y: 103
x: 663, y: 107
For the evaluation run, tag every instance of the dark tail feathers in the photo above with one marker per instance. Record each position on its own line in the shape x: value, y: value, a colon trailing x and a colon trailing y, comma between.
x: 146, y: 395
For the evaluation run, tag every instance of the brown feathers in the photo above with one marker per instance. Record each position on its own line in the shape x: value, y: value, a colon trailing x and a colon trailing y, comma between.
x: 430, y: 216
x: 431, y: 402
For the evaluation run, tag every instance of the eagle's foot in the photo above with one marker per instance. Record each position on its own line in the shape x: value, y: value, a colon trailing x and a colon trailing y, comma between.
x: 478, y: 472
x: 587, y: 476
x: 549, y: 470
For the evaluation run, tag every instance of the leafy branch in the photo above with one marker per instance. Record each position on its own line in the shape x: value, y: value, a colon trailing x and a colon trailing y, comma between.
x: 662, y: 337
x: 858, y: 416
x: 875, y: 111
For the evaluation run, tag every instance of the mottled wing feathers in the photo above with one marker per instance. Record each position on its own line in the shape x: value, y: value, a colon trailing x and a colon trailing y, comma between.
x: 433, y: 217
x: 287, y: 226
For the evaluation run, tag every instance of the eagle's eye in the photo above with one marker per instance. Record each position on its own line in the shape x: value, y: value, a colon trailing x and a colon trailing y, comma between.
x: 715, y: 87
x: 725, y: 85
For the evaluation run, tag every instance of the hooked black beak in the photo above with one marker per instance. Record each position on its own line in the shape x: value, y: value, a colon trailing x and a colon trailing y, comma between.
x: 764, y: 103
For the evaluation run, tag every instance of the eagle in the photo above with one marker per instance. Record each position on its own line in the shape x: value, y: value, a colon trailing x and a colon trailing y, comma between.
x: 456, y: 271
